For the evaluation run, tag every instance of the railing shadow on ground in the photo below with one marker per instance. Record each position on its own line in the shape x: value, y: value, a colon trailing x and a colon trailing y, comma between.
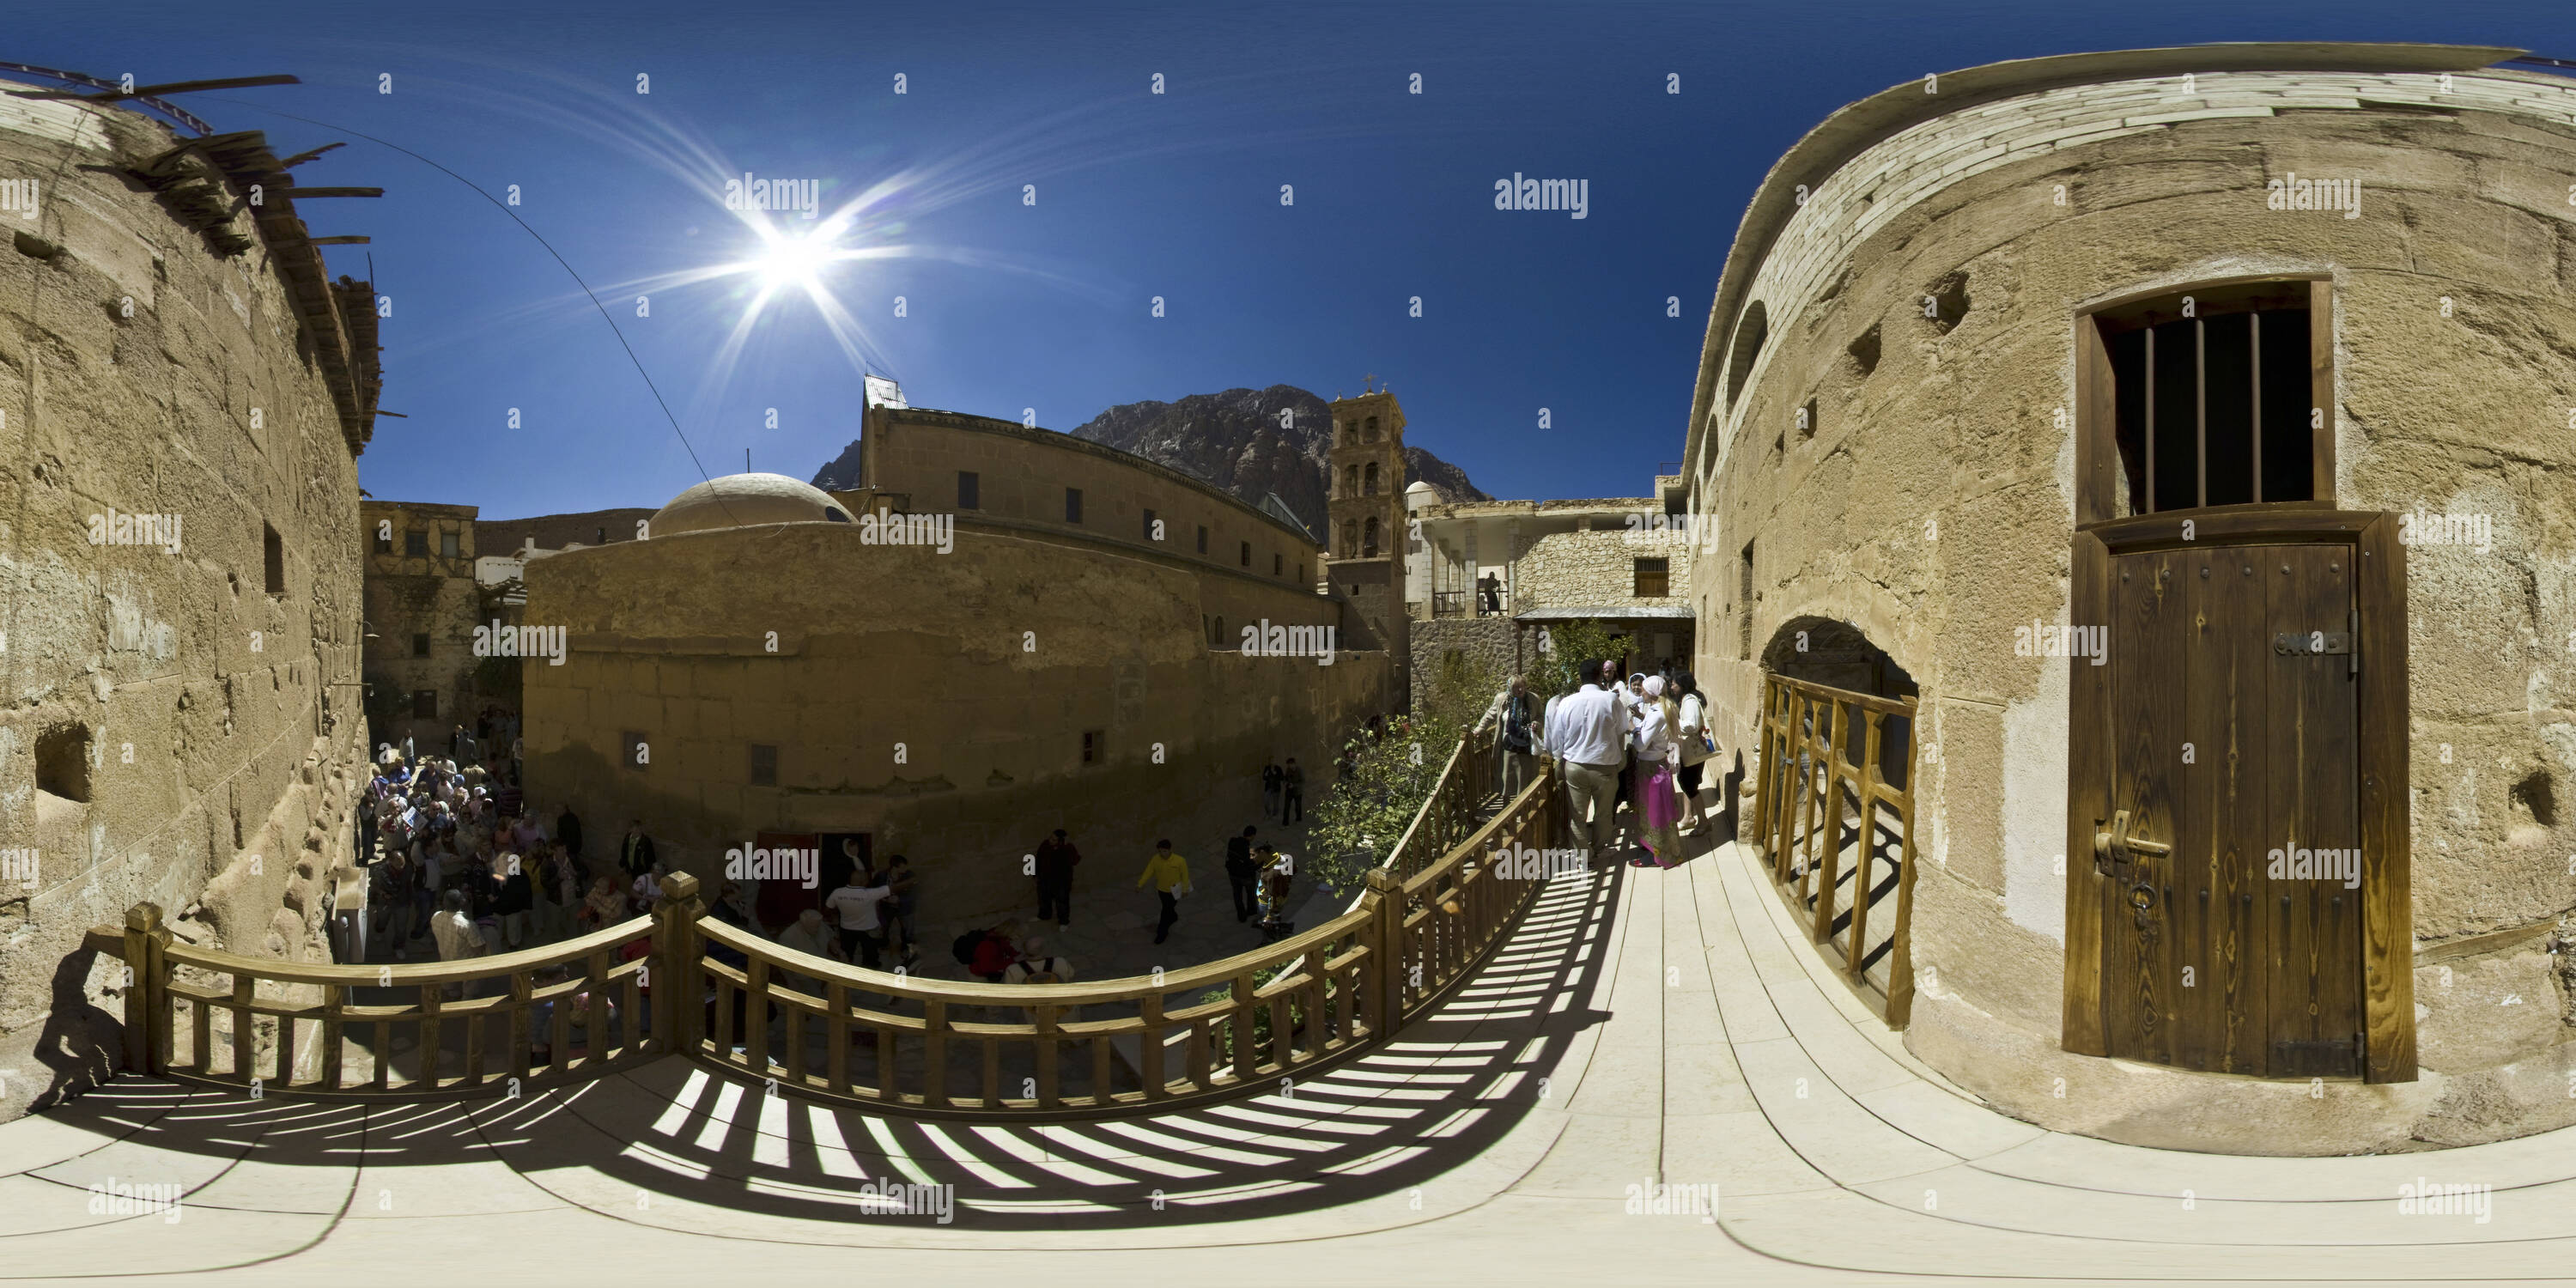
x: 1454, y: 1083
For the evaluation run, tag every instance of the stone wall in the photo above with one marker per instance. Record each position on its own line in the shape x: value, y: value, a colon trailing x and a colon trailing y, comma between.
x: 1022, y: 476
x: 1929, y: 505
x: 939, y: 702
x: 409, y: 596
x: 1598, y: 569
x: 179, y: 718
x: 1485, y: 641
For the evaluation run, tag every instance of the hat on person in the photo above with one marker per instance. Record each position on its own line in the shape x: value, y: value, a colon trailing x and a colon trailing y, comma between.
x: 1654, y: 686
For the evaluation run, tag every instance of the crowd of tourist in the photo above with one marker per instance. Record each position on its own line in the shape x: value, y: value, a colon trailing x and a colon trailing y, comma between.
x: 1635, y: 747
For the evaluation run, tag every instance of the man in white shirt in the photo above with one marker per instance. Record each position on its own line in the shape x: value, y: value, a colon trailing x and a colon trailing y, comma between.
x: 857, y: 905
x: 457, y: 935
x: 1589, y: 735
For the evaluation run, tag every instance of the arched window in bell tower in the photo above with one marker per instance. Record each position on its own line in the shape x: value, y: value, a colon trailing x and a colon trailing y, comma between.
x: 1369, y: 488
x: 1351, y: 536
x: 1368, y: 545
x: 1351, y: 481
x: 1372, y: 429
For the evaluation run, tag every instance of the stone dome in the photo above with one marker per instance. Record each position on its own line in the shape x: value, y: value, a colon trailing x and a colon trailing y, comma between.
x: 1420, y: 495
x: 743, y: 501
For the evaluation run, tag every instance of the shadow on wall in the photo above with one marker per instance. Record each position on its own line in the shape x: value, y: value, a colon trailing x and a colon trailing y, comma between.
x: 79, y: 1047
x: 1821, y: 650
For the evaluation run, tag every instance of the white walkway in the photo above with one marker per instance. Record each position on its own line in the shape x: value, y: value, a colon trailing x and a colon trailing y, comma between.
x: 1643, y: 1027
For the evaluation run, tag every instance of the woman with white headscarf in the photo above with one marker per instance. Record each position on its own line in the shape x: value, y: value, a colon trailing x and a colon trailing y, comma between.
x: 1659, y: 801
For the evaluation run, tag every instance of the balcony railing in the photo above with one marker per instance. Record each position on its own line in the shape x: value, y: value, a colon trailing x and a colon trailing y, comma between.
x: 1824, y: 820
x: 662, y: 984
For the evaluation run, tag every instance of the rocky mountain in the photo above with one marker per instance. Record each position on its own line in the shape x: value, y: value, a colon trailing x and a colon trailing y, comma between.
x: 1233, y: 440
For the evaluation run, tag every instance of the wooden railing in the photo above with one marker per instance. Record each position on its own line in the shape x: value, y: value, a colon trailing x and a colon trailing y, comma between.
x: 944, y: 1048
x: 667, y: 983
x: 343, y: 1031
x: 1454, y: 808
x: 1807, y: 782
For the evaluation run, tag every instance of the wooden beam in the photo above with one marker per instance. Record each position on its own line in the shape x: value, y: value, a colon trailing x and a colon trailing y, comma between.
x: 2387, y: 892
x: 2321, y: 390
x: 2088, y: 795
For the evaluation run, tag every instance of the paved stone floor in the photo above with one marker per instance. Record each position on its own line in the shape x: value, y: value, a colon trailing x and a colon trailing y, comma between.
x: 1641, y: 1026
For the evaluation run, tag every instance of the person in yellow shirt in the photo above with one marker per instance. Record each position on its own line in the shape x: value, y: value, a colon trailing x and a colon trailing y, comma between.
x: 1170, y: 874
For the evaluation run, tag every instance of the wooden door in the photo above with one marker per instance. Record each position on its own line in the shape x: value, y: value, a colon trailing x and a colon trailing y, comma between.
x: 2230, y: 838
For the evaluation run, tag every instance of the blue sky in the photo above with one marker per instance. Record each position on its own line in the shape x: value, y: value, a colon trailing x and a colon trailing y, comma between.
x: 1015, y: 306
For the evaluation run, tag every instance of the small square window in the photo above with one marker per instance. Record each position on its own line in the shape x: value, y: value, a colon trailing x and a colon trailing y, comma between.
x: 1093, y: 746
x: 448, y: 545
x: 1247, y: 554
x: 1278, y: 564
x: 639, y: 753
x: 420, y: 643
x: 970, y: 490
x: 424, y: 704
x: 764, y: 765
x: 415, y: 544
x: 1202, y: 538
x: 1073, y: 505
x: 1653, y: 578
x: 1150, y: 534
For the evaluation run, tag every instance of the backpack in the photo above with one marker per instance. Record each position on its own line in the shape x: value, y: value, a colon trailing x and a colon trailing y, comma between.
x: 1045, y: 976
x: 964, y: 948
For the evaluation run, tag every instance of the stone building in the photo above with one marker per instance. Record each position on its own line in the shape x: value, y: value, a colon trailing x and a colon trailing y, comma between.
x: 423, y: 602
x: 1487, y: 577
x: 2240, y: 373
x: 1366, y: 520
x: 183, y: 395
x: 1003, y: 631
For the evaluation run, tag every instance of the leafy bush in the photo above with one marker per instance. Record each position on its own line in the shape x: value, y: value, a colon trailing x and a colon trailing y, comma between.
x: 1571, y: 644
x: 1386, y: 775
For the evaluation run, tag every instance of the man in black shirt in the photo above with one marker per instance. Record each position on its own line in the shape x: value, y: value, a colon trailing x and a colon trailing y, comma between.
x: 1241, y: 873
x: 1292, y: 782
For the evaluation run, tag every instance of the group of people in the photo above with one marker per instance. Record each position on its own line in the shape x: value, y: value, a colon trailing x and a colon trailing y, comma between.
x: 454, y: 853
x: 1640, y: 743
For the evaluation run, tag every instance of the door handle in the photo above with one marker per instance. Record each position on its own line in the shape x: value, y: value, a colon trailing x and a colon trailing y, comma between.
x: 2117, y: 848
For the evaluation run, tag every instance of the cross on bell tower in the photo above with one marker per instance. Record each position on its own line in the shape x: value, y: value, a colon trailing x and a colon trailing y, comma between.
x: 1366, y: 527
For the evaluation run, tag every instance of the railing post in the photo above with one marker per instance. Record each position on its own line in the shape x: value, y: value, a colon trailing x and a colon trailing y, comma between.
x: 142, y: 987
x: 1385, y: 901
x: 675, y: 950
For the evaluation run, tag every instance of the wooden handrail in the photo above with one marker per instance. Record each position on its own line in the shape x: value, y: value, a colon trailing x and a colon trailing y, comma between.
x: 1332, y: 991
x: 1804, y: 778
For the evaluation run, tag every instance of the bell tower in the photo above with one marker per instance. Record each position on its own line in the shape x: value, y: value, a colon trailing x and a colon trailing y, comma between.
x: 1367, y: 520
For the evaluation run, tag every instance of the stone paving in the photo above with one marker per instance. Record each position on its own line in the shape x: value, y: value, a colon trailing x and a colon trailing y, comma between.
x: 1641, y: 1027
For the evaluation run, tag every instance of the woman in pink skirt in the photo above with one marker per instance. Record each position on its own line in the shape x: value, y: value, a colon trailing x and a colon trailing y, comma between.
x: 1659, y: 799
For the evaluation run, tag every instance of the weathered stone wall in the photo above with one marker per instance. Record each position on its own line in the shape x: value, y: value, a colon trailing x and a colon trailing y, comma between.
x: 1598, y: 569
x: 1930, y: 506
x: 1483, y: 641
x: 1022, y: 475
x: 937, y: 701
x: 210, y: 718
x: 411, y: 595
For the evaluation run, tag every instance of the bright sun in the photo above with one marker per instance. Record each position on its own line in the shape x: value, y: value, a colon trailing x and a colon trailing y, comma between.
x: 793, y: 262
